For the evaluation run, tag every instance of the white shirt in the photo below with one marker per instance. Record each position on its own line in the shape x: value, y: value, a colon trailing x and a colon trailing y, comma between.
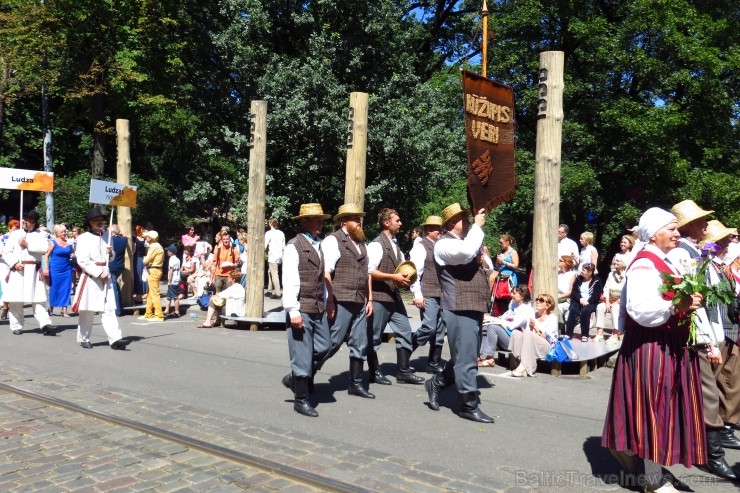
x: 330, y: 248
x: 456, y: 251
x: 235, y: 297
x: 375, y: 254
x: 173, y: 264
x: 516, y: 317
x: 418, y: 255
x: 291, y: 279
x: 275, y: 245
x: 568, y: 247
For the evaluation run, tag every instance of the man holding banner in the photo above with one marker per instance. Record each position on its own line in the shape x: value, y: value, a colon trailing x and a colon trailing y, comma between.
x: 24, y: 282
x: 94, y: 291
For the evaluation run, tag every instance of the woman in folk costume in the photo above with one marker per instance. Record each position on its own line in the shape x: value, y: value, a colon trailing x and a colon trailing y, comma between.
x: 655, y: 405
x: 24, y: 281
x: 94, y: 292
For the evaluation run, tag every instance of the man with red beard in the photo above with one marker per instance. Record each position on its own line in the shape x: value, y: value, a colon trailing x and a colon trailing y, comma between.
x: 348, y: 300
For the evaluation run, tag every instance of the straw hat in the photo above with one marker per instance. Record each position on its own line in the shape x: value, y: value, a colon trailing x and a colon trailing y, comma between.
x: 452, y: 211
x: 310, y: 211
x: 688, y: 211
x: 348, y: 210
x: 716, y: 231
x: 408, y: 269
x: 433, y: 221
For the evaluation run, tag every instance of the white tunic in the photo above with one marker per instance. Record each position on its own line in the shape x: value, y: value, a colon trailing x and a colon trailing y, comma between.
x: 91, y: 251
x: 25, y: 286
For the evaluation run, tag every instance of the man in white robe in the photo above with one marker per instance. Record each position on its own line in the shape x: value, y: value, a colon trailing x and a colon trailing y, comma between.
x: 94, y: 290
x: 24, y: 283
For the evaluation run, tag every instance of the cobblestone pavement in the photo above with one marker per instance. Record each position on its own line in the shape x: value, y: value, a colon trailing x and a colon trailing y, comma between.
x: 46, y: 448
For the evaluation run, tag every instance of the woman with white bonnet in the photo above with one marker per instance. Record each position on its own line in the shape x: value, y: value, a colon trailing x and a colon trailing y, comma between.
x: 655, y: 404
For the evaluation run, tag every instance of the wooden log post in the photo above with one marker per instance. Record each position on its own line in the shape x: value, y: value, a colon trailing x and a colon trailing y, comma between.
x: 547, y: 173
x: 123, y: 214
x: 256, y: 212
x: 354, y: 184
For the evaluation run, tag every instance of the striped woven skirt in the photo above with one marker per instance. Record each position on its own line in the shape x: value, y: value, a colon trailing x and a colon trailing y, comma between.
x: 655, y: 404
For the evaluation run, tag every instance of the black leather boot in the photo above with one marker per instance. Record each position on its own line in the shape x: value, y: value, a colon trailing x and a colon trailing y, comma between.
x: 470, y: 409
x: 301, y: 404
x: 414, y: 342
x: 435, y: 363
x: 727, y: 437
x: 355, y: 380
x: 716, y: 463
x: 376, y: 376
x: 405, y: 374
x: 288, y: 382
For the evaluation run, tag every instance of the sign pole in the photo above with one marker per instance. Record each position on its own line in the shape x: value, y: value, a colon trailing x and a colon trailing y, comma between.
x: 255, y: 298
x: 547, y: 173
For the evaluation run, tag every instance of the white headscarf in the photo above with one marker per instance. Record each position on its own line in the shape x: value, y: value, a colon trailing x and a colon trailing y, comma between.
x: 652, y: 221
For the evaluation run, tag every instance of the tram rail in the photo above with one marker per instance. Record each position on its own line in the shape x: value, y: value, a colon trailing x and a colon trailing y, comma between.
x: 305, y: 477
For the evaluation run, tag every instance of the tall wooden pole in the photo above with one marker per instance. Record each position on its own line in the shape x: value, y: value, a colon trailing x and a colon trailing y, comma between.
x: 123, y: 176
x: 484, y: 58
x: 547, y: 173
x: 354, y: 184
x: 256, y: 212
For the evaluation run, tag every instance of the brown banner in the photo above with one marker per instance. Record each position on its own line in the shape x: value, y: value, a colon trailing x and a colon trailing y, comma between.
x: 489, y: 127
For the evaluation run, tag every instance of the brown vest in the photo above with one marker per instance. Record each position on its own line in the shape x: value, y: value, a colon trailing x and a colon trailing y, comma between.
x: 386, y: 291
x: 311, y: 274
x: 429, y: 280
x: 464, y: 287
x: 349, y: 279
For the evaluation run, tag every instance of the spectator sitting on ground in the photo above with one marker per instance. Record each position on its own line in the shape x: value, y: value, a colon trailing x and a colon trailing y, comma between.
x: 583, y: 300
x: 187, y: 269
x: 230, y: 301
x: 609, y: 308
x: 533, y: 341
x: 499, y: 331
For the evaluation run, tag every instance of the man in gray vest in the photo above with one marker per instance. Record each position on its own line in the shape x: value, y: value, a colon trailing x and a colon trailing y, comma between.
x: 303, y: 301
x: 384, y: 255
x: 426, y: 292
x: 461, y: 268
x: 348, y: 289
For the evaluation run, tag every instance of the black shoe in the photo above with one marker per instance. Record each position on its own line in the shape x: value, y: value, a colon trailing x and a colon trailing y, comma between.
x: 46, y: 330
x: 435, y: 367
x: 405, y: 373
x: 355, y: 380
x: 288, y: 382
x: 728, y: 439
x: 18, y: 331
x: 435, y: 363
x: 716, y: 463
x: 86, y: 345
x: 476, y: 415
x: 301, y: 404
x: 119, y: 344
x: 433, y: 392
x: 378, y: 377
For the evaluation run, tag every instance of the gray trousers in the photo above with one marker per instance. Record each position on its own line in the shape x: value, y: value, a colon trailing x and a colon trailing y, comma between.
x: 351, y: 321
x: 432, y: 327
x: 309, y: 345
x: 393, y: 313
x: 496, y: 337
x: 463, y: 335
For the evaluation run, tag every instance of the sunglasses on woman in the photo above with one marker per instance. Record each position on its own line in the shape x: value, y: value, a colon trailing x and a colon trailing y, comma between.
x: 541, y: 300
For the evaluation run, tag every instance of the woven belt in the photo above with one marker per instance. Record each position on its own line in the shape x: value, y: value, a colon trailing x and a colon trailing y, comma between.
x: 100, y: 263
x: 29, y: 262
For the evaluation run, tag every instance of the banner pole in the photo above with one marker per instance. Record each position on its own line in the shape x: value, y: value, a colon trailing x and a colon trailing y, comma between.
x: 20, y: 213
x: 484, y: 58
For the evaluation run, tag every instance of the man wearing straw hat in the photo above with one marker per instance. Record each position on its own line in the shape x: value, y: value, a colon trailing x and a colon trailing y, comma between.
x: 384, y: 256
x: 348, y: 292
x: 94, y: 290
x: 22, y: 254
x: 303, y: 301
x: 461, y: 268
x: 426, y: 294
x: 692, y: 224
x: 725, y: 316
